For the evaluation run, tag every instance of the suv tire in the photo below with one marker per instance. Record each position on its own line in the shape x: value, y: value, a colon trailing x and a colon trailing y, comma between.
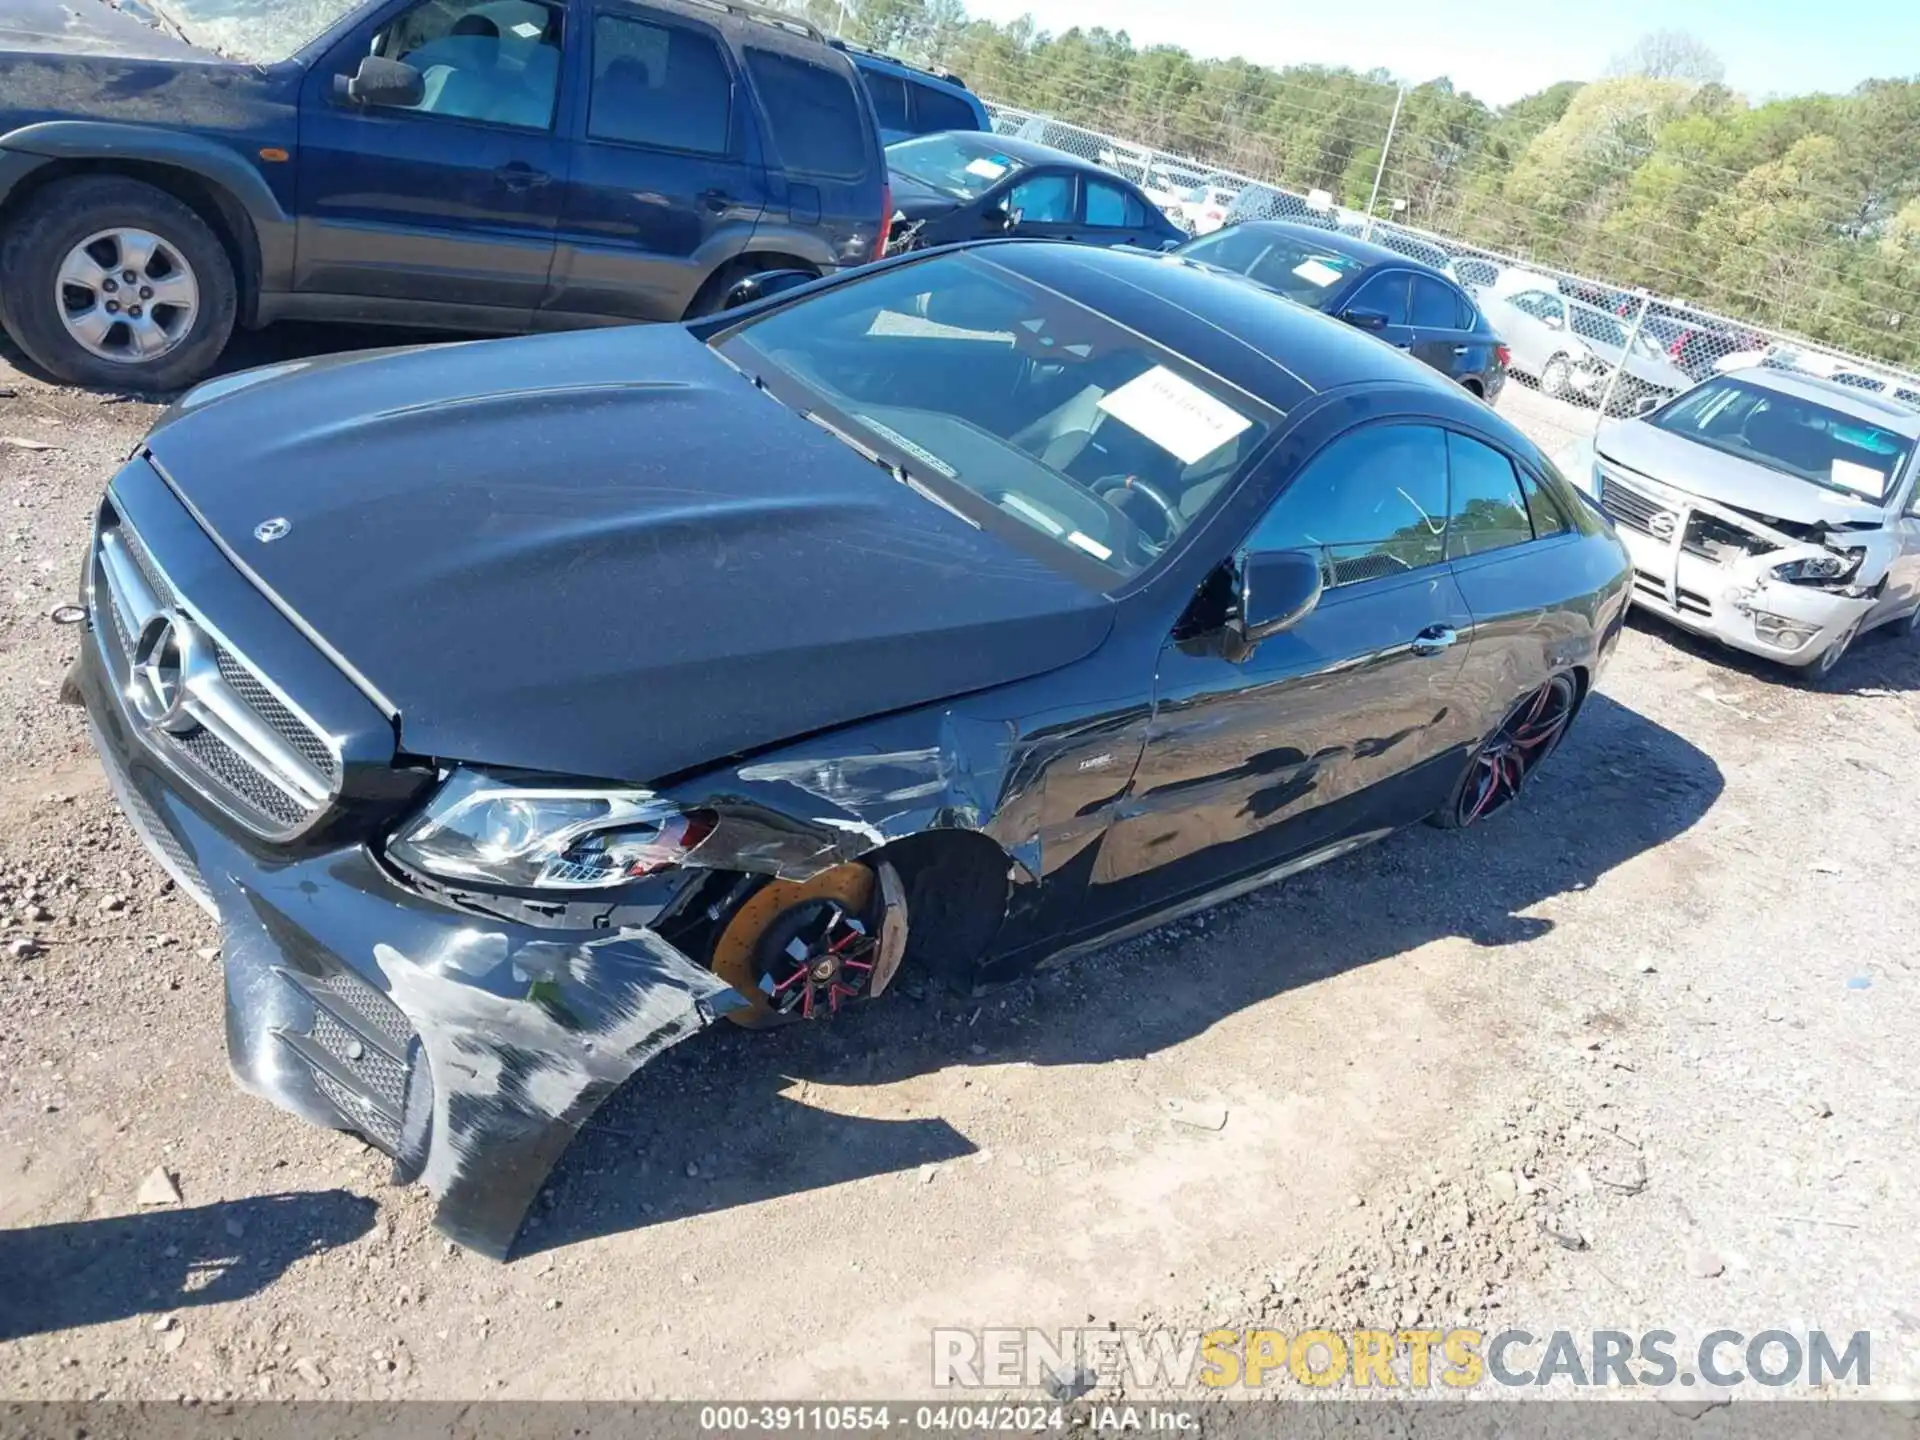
x: 89, y: 327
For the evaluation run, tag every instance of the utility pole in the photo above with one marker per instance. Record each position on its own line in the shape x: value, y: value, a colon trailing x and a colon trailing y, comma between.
x: 1399, y: 99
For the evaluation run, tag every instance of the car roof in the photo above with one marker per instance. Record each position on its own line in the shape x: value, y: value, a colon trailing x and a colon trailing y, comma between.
x: 1884, y: 411
x: 1250, y: 336
x: 1032, y: 152
x: 867, y: 59
x: 1342, y: 243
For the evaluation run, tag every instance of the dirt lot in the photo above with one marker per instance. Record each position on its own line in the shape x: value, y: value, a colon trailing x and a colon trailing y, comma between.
x: 1637, y: 1055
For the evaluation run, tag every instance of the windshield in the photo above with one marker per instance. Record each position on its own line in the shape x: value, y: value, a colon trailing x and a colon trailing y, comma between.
x: 963, y: 165
x: 1014, y: 406
x: 1298, y: 269
x: 1824, y: 447
x: 260, y: 32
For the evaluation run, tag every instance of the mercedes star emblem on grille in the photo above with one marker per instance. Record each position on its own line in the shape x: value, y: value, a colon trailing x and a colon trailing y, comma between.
x: 167, y: 647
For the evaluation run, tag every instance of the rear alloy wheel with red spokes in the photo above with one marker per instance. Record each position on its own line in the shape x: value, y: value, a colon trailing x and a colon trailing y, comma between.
x: 1504, y: 764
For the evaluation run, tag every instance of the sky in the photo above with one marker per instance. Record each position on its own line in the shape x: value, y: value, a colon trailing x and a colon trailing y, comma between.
x: 1501, y: 52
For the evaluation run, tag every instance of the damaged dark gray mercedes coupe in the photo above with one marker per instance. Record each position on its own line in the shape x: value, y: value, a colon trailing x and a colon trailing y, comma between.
x: 520, y: 708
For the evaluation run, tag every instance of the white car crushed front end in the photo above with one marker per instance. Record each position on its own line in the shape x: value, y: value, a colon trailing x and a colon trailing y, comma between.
x: 1788, y: 591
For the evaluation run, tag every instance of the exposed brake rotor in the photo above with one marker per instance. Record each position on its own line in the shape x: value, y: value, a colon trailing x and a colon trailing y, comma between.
x: 800, y: 950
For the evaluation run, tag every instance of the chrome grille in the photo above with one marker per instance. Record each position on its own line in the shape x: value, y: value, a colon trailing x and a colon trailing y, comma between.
x: 1632, y: 507
x: 206, y: 709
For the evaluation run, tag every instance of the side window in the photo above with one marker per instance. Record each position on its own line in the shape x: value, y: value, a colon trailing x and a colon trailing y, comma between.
x: 1385, y: 293
x: 1545, y: 512
x: 659, y: 85
x: 491, y: 60
x: 818, y: 126
x: 1373, y: 504
x: 889, y: 93
x: 1043, y: 200
x: 1435, y: 306
x: 1488, y: 512
x: 1112, y: 207
x: 937, y: 110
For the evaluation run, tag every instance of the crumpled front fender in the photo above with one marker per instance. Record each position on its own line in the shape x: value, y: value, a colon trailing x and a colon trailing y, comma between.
x: 493, y: 1047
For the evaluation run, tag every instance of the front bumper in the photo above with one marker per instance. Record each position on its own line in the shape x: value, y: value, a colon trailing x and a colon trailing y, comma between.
x: 1737, y: 604
x: 468, y: 1048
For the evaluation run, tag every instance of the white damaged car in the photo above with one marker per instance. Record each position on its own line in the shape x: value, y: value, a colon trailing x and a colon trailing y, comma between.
x: 1772, y: 511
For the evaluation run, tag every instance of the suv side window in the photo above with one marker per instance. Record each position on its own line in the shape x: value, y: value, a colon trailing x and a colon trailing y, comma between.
x: 817, y: 123
x: 659, y: 85
x: 939, y: 110
x: 1373, y: 504
x: 480, y: 59
x: 889, y: 95
x: 1435, y: 307
x: 1386, y: 293
x: 1488, y: 510
x: 1113, y: 208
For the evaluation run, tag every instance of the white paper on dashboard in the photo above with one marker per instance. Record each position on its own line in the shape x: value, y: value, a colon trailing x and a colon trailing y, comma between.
x: 986, y: 169
x: 1317, y: 272
x: 1861, y: 478
x: 1174, y: 414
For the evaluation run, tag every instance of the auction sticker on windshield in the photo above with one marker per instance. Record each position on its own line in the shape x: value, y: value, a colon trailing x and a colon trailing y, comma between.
x: 1861, y: 479
x: 986, y: 169
x: 1317, y: 272
x: 1174, y: 414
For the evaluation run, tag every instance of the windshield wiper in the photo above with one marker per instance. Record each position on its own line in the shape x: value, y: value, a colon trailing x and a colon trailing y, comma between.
x: 898, y: 471
x: 148, y: 12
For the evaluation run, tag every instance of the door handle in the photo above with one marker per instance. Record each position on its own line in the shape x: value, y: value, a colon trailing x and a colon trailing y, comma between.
x: 716, y: 200
x: 1460, y: 349
x: 522, y: 176
x: 1434, y: 639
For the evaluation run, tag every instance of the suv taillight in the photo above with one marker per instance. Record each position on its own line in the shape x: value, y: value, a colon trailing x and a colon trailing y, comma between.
x: 1503, y: 355
x: 886, y: 220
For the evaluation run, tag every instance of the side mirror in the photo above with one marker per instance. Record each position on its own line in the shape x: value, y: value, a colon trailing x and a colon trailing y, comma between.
x: 1277, y: 589
x: 767, y: 282
x: 1366, y: 319
x: 380, y: 81
x: 1646, y: 405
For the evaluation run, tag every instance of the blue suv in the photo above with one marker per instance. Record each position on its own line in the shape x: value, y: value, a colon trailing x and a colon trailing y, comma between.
x: 913, y: 101
x: 172, y: 168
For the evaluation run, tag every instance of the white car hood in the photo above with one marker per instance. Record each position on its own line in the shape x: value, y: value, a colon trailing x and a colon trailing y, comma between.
x: 1741, y: 484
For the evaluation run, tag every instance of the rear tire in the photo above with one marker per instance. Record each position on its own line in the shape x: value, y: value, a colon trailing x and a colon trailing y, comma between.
x: 72, y: 308
x: 708, y: 298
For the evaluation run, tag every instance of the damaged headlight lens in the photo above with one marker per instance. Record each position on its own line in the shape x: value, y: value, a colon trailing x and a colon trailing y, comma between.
x: 1819, y: 569
x: 482, y: 829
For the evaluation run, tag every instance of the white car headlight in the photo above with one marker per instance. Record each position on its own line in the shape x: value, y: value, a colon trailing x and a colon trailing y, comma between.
x: 481, y: 829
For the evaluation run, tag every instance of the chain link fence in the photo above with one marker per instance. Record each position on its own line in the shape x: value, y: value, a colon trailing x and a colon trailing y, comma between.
x: 1584, y: 338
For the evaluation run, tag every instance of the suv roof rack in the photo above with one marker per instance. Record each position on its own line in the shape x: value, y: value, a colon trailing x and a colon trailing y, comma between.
x: 766, y: 15
x: 933, y: 70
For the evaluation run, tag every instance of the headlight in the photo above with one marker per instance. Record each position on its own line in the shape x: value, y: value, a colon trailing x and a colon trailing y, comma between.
x: 477, y: 828
x: 1819, y: 569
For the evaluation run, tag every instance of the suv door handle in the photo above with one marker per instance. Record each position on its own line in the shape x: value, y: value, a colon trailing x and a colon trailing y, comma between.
x: 716, y: 200
x: 1460, y: 349
x: 1434, y: 639
x: 522, y: 176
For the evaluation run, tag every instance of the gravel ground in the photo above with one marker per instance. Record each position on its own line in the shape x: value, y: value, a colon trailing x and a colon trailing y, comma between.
x: 1637, y: 1055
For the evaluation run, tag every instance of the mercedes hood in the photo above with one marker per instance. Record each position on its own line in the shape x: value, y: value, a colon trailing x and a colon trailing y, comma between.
x: 602, y: 554
x: 1743, y: 484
